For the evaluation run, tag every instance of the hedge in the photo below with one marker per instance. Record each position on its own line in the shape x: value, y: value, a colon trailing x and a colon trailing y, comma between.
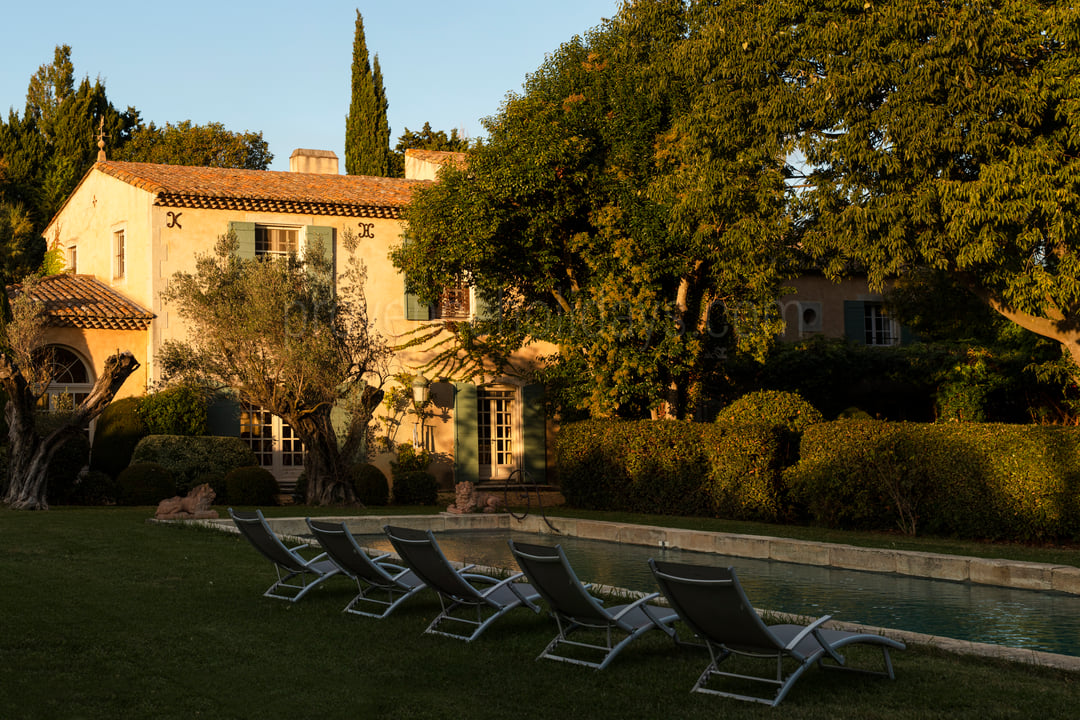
x: 971, y: 480
x: 673, y: 467
x: 193, y: 459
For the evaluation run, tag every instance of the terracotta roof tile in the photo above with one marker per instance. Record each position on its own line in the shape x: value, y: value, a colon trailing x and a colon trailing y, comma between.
x: 265, y: 190
x: 82, y: 301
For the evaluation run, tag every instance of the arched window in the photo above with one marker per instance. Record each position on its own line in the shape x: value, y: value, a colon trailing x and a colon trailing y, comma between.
x: 71, y: 380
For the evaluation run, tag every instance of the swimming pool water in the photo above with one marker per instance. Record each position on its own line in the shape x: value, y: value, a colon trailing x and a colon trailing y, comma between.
x: 965, y: 611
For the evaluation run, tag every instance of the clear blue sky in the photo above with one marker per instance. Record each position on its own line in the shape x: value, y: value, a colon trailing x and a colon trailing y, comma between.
x: 283, y: 67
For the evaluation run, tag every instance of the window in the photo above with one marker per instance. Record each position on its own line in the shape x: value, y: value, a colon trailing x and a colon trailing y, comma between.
x: 69, y: 380
x: 274, y: 442
x: 276, y: 240
x: 495, y: 430
x: 72, y: 260
x: 879, y: 328
x: 453, y: 304
x: 118, y: 254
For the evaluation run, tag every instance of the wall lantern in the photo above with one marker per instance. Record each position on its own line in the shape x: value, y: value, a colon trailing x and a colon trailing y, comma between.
x: 420, y: 389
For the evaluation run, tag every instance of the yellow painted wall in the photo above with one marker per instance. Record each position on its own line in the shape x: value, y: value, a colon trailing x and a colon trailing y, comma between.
x: 94, y: 346
x: 831, y: 295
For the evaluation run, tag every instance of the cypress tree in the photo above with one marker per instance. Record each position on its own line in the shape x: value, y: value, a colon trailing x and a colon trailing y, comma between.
x: 367, y: 133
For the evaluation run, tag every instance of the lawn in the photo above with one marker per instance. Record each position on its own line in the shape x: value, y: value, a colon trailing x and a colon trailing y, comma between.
x: 106, y: 616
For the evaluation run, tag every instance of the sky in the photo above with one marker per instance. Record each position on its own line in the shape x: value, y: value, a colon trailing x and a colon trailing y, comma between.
x: 283, y: 68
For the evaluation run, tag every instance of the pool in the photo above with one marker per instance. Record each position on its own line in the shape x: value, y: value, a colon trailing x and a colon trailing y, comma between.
x: 1035, y: 620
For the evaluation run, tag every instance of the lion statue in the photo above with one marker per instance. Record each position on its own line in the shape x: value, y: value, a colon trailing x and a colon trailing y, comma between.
x: 194, y: 506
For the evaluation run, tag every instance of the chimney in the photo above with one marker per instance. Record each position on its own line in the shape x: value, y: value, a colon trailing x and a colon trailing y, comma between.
x: 320, y: 162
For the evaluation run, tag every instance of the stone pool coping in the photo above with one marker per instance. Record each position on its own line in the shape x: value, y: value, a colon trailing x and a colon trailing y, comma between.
x: 1003, y: 573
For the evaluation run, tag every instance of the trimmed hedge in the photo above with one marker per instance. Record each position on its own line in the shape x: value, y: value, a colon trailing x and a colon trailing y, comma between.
x: 144, y: 483
x: 972, y: 480
x: 674, y: 468
x: 251, y: 485
x: 179, y: 410
x: 192, y: 458
x: 370, y: 484
x: 417, y: 487
x: 119, y: 429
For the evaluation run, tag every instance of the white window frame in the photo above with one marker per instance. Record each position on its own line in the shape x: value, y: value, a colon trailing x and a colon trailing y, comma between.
x: 489, y: 467
x: 72, y: 259
x: 880, y: 329
x: 261, y: 229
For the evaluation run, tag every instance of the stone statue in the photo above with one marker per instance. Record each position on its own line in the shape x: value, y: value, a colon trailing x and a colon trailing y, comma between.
x: 194, y: 506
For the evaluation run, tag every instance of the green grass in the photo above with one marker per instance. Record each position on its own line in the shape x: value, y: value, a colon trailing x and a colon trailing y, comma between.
x: 104, y: 615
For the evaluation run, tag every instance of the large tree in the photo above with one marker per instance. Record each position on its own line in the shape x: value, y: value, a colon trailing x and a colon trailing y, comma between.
x: 367, y: 131
x: 588, y: 218
x: 26, y: 371
x: 45, y: 151
x: 282, y: 335
x: 938, y: 136
x: 209, y: 145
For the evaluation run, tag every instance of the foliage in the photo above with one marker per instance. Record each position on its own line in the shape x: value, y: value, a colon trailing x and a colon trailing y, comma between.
x: 371, y: 485
x: 184, y: 143
x: 178, y: 410
x: 94, y: 488
x: 934, y: 136
x: 63, y: 474
x: 251, y: 485
x: 984, y: 481
x: 119, y: 429
x: 1013, y: 383
x: 672, y: 468
x: 409, y: 459
x: 45, y: 152
x: 774, y: 407
x: 415, y: 487
x: 282, y: 335
x: 190, y: 459
x: 367, y: 131
x: 580, y: 201
x: 144, y: 483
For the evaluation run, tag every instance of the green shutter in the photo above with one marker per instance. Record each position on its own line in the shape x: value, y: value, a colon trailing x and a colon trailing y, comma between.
x: 855, y: 322
x: 415, y: 309
x: 317, y: 235
x: 484, y: 308
x: 223, y: 416
x: 466, y: 442
x: 245, y: 237
x: 534, y: 433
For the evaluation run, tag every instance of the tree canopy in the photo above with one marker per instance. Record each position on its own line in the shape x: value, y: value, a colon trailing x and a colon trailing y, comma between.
x: 281, y: 335
x: 367, y: 130
x: 184, y: 143
x: 936, y: 136
x: 583, y: 216
x: 46, y: 150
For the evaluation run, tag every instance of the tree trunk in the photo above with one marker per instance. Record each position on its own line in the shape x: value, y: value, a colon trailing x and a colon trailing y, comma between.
x: 30, y: 453
x: 327, y: 470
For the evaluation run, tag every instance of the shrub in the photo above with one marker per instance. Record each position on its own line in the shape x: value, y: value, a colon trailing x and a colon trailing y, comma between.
x: 972, y: 480
x: 64, y: 468
x: 190, y: 458
x: 409, y: 459
x: 179, y: 410
x: 119, y: 429
x: 672, y: 467
x: 95, y: 488
x: 775, y: 407
x: 252, y: 485
x: 370, y: 484
x: 144, y: 483
x: 417, y: 487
